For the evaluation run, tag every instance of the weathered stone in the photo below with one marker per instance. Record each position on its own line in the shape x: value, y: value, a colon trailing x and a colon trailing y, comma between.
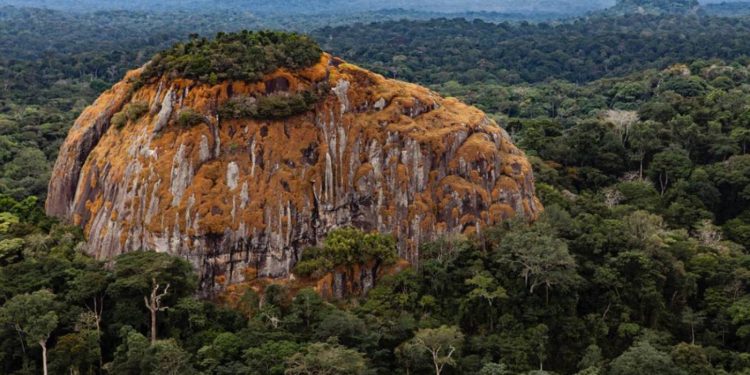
x: 375, y: 153
x: 233, y: 175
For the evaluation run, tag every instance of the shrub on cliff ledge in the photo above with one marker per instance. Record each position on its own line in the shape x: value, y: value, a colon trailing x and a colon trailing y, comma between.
x: 188, y: 117
x: 347, y: 247
x: 244, y: 56
x: 269, y: 107
x: 131, y: 112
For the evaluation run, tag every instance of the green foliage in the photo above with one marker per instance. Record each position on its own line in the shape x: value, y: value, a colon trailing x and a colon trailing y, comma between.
x: 168, y: 358
x: 739, y: 312
x: 130, y: 113
x: 326, y: 358
x: 692, y: 359
x: 76, y: 352
x: 279, y: 106
x: 269, y: 357
x: 643, y: 358
x: 346, y: 247
x: 539, y: 258
x: 239, y: 107
x: 135, y: 271
x: 491, y: 368
x: 26, y: 174
x: 130, y: 354
x: 441, y: 345
x: 135, y: 110
x: 471, y: 52
x: 119, y: 120
x: 135, y: 355
x: 269, y: 107
x: 189, y: 117
x: 690, y: 86
x: 224, y: 349
x: 610, y: 272
x: 669, y: 166
x: 485, y: 290
x: 32, y: 315
x: 242, y: 56
x: 654, y: 6
x: 134, y: 274
x: 315, y: 262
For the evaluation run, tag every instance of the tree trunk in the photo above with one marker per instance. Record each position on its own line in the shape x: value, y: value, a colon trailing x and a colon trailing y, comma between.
x: 154, y: 305
x: 43, y: 344
x: 435, y: 361
x: 640, y: 168
x: 98, y: 308
x: 153, y: 326
x: 492, y: 324
x: 20, y: 337
x: 692, y: 333
x: 376, y: 270
x: 664, y: 183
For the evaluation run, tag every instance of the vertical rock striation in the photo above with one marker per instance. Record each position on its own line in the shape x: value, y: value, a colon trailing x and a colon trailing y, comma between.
x: 238, y: 194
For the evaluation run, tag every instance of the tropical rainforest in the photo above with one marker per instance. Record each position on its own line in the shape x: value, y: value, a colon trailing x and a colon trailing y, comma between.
x: 638, y: 129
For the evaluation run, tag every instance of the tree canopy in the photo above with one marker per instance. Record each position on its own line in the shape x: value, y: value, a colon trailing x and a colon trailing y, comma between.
x: 242, y: 56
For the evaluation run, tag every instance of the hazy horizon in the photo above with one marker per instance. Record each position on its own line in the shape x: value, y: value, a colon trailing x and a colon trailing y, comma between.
x: 318, y: 6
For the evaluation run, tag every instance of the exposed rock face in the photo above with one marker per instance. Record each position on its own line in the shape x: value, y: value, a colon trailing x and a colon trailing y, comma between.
x: 230, y: 195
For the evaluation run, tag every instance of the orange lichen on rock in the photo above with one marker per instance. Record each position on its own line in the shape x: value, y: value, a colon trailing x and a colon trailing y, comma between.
x: 238, y: 194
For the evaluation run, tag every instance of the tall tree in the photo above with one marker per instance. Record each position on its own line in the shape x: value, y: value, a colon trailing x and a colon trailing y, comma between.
x: 539, y: 258
x: 486, y: 289
x: 33, y: 317
x: 669, y: 166
x: 146, y: 274
x: 693, y: 319
x: 442, y: 344
x: 643, y: 358
x: 154, y: 304
x: 326, y: 358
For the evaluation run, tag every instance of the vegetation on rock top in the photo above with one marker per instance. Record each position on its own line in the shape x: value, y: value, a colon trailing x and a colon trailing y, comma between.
x: 244, y: 56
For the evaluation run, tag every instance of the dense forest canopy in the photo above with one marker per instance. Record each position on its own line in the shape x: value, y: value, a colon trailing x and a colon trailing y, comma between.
x: 655, y: 6
x: 469, y: 51
x: 638, y: 128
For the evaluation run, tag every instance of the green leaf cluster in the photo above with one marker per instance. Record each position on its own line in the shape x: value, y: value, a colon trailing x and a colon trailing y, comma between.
x: 346, y: 247
x: 242, y: 56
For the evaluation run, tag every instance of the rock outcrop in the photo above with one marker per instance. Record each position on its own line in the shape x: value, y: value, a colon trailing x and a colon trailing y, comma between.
x: 238, y: 194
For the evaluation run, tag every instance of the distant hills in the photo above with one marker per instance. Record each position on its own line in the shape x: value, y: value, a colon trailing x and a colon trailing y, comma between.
x: 655, y: 7
x: 273, y: 7
x: 358, y: 10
